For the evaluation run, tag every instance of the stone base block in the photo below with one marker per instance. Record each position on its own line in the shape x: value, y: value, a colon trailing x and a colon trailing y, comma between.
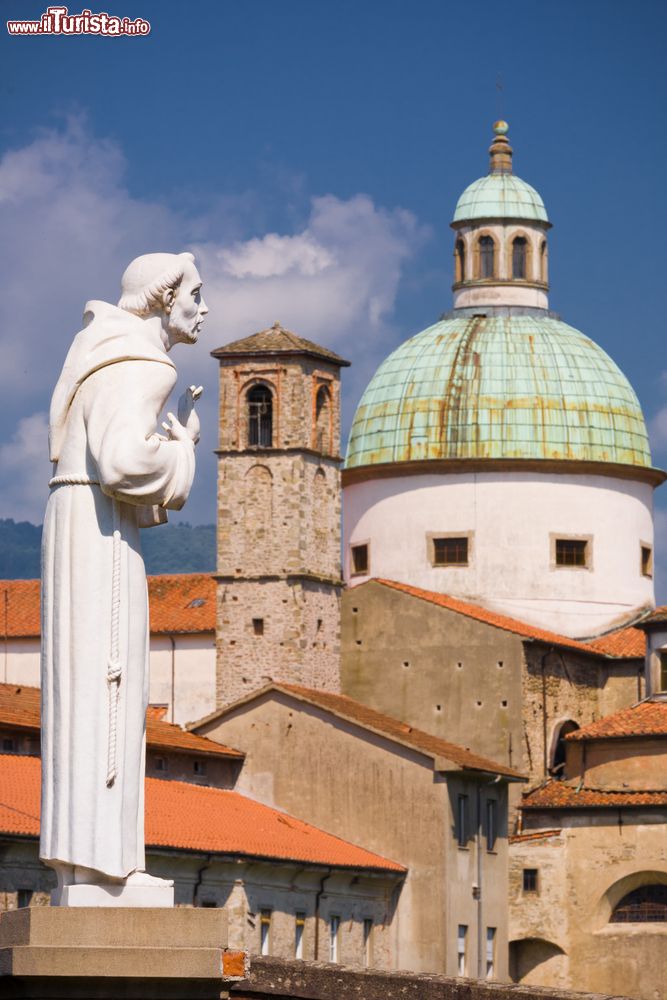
x: 81, y: 952
x: 146, y: 896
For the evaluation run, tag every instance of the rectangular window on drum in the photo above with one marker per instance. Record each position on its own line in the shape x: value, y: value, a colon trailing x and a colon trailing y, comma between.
x: 491, y: 823
x: 490, y: 952
x: 572, y: 552
x: 360, y: 561
x: 265, y: 932
x: 450, y: 551
x: 462, y: 820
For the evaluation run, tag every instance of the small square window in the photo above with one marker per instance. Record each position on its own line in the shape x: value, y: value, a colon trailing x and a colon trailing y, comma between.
x: 160, y: 763
x: 530, y: 880
x: 360, y: 562
x: 199, y: 767
x: 258, y: 626
x: 647, y: 560
x: 572, y: 552
x: 450, y: 551
x: 8, y: 745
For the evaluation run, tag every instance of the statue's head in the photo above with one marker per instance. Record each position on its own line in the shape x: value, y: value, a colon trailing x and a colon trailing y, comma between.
x: 169, y: 285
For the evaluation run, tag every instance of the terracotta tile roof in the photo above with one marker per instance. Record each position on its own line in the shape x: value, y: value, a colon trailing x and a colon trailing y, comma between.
x: 657, y: 617
x: 648, y: 718
x: 276, y: 340
x: 564, y: 795
x: 346, y: 708
x: 532, y: 836
x: 625, y: 642
x: 20, y: 707
x: 173, y: 602
x: 197, y: 818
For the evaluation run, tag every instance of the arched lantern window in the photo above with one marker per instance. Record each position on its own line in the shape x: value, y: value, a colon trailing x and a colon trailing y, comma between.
x: 520, y: 257
x: 487, y: 250
x: 260, y: 417
x: 544, y: 274
x: 460, y: 260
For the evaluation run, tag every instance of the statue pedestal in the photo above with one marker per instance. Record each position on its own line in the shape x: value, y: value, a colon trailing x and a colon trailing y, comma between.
x: 146, y: 896
x: 109, y: 952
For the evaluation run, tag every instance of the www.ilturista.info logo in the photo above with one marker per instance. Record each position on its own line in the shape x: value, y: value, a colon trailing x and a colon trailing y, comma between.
x: 58, y: 21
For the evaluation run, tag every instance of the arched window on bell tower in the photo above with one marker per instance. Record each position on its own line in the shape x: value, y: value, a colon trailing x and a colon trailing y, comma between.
x: 460, y: 255
x: 487, y: 257
x: 520, y: 257
x: 260, y: 417
x: 323, y: 419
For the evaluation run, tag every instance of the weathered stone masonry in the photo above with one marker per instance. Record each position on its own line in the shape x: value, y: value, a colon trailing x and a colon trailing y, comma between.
x: 279, y: 574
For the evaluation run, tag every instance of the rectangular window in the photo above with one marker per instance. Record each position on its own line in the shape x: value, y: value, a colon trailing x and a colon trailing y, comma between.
x: 160, y: 763
x: 8, y: 745
x: 490, y: 952
x: 199, y: 767
x: 462, y: 820
x: 530, y: 880
x: 265, y: 932
x: 258, y: 626
x: 647, y: 560
x: 23, y: 898
x: 572, y: 552
x: 334, y: 928
x: 450, y: 551
x: 368, y: 942
x: 461, y: 957
x: 299, y: 927
x: 491, y: 823
x: 662, y: 679
x: 360, y: 562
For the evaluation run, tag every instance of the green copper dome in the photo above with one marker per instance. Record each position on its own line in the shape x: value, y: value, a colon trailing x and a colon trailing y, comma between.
x: 500, y: 196
x: 499, y: 387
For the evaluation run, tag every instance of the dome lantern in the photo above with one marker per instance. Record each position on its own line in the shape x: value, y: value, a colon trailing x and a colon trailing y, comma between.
x: 500, y: 250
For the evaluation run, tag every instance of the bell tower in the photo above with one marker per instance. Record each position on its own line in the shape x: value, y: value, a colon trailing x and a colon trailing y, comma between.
x: 279, y: 510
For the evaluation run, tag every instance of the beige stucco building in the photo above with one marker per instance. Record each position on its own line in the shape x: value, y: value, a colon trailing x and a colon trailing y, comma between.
x: 438, y: 808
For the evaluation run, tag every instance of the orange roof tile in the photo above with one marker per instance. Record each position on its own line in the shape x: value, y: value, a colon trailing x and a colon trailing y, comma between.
x: 648, y: 718
x: 173, y: 603
x: 346, y: 708
x: 20, y: 707
x: 622, y: 643
x: 197, y: 818
x: 565, y: 795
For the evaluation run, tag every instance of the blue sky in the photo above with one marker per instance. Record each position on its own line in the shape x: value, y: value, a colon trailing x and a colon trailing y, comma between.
x: 312, y: 153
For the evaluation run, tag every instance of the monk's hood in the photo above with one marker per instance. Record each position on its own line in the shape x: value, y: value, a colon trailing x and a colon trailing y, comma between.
x: 109, y: 335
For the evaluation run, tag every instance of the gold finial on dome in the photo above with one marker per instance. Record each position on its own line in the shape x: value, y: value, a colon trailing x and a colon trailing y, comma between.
x: 500, y: 149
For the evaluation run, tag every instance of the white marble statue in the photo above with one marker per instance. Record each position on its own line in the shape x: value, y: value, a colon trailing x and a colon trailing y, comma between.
x: 113, y: 474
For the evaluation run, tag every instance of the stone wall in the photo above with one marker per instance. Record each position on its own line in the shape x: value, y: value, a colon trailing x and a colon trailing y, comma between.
x: 270, y: 977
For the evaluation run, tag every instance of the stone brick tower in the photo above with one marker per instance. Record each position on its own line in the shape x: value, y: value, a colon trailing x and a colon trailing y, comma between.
x: 279, y: 572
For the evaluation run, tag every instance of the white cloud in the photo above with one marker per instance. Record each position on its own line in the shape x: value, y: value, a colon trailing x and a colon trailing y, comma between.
x: 69, y: 227
x: 25, y: 470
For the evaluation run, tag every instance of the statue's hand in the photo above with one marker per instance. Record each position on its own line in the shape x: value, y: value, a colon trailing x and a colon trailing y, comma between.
x: 187, y: 414
x: 175, y: 429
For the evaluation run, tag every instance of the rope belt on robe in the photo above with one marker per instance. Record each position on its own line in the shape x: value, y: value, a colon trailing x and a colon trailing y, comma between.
x: 114, y: 668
